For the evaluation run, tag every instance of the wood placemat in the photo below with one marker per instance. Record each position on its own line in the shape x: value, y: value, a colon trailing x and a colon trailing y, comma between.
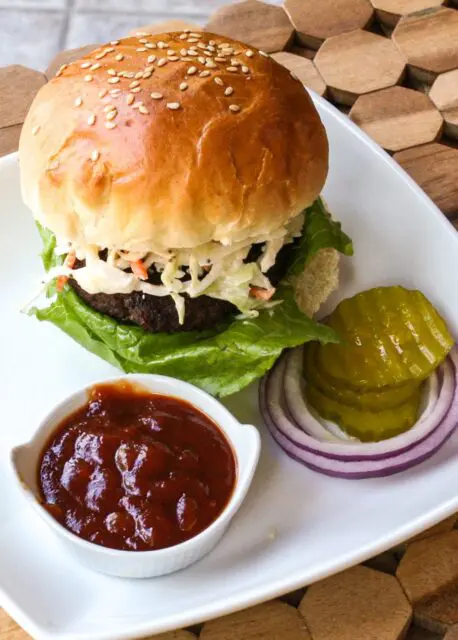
x: 392, y: 66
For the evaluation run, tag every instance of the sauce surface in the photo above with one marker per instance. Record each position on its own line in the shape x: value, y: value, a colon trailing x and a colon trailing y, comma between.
x: 136, y: 471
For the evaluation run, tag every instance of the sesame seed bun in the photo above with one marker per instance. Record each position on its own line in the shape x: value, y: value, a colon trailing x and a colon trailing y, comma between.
x: 142, y: 145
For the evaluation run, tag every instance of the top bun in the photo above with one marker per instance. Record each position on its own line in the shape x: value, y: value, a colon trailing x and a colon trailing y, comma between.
x: 171, y: 141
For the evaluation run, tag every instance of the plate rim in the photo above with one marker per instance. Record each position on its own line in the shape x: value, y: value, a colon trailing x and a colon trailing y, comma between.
x: 273, y: 589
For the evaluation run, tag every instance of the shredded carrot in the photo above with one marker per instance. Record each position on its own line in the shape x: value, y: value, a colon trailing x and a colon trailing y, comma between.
x: 70, y: 263
x: 70, y: 260
x: 139, y: 269
x: 261, y: 294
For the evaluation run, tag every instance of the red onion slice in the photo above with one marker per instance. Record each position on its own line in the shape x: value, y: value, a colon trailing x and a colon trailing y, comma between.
x: 363, y: 468
x: 289, y: 366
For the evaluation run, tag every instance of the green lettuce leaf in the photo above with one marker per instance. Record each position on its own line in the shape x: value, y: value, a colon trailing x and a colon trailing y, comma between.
x: 221, y: 361
x: 320, y: 232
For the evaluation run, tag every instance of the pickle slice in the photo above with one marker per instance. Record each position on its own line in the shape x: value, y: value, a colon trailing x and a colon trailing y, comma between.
x: 390, y: 335
x: 367, y: 426
x: 376, y: 400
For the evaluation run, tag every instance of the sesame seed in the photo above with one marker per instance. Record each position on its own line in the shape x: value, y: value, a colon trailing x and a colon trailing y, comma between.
x: 102, y: 93
x: 113, y: 80
x: 134, y: 83
x: 183, y: 36
x: 95, y: 155
x: 143, y: 109
x: 100, y: 55
x: 156, y: 96
x: 228, y: 91
x: 142, y: 40
x: 161, y: 45
x: 193, y: 39
x: 263, y: 53
x: 186, y: 59
x: 85, y: 65
x: 173, y: 105
x: 192, y: 52
x: 110, y: 125
x: 88, y: 78
x: 183, y: 86
x: 61, y: 68
x: 148, y: 74
x: 220, y: 59
x: 195, y: 35
x: 149, y: 68
x: 187, y: 30
x: 35, y: 129
x: 161, y: 62
x: 170, y: 52
x: 137, y: 104
x: 111, y: 72
x: 192, y: 71
x: 204, y: 74
x: 208, y: 54
x: 151, y: 58
x: 114, y: 42
x: 136, y: 90
x: 245, y: 69
x: 210, y: 64
x: 219, y: 81
x: 95, y: 66
x: 108, y: 107
x: 249, y: 53
x: 173, y: 58
x: 138, y: 75
x: 201, y: 45
x: 78, y: 101
x: 224, y: 45
x: 212, y: 43
x: 115, y: 92
x: 235, y: 63
x: 129, y: 74
x: 119, y: 57
x: 91, y: 119
x: 293, y: 75
x: 211, y: 48
x: 121, y: 74
x: 150, y: 45
x: 109, y: 50
x: 111, y: 115
x: 202, y: 60
x: 234, y: 108
x: 141, y: 49
x: 139, y: 34
x: 226, y: 52
x: 130, y: 98
x: 183, y: 52
x: 233, y: 69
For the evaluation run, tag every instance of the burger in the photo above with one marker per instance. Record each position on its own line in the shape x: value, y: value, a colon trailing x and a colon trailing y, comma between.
x: 175, y: 181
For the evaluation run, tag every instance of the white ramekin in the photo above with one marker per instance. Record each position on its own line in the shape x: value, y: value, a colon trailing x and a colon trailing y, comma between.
x: 243, y: 438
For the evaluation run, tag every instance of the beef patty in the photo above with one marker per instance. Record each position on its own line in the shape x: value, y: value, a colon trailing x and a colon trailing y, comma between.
x: 158, y: 314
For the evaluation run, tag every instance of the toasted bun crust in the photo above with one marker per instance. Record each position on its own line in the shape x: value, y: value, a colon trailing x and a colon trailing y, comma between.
x: 217, y: 167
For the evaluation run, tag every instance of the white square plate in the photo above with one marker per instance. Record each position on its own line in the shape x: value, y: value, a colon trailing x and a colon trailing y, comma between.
x: 322, y: 524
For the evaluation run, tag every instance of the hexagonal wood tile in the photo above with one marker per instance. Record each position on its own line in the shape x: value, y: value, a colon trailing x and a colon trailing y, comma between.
x: 18, y: 87
x: 9, y: 630
x: 417, y: 633
x: 264, y: 26
x: 9, y: 139
x: 165, y: 27
x: 434, y: 167
x: 305, y: 52
x: 303, y: 69
x: 357, y: 63
x: 442, y: 527
x: 358, y: 604
x: 429, y: 565
x: 172, y: 635
x: 389, y: 12
x: 440, y: 611
x: 444, y: 94
x: 398, y: 118
x: 65, y: 57
x: 315, y: 21
x: 272, y: 620
x: 428, y: 41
